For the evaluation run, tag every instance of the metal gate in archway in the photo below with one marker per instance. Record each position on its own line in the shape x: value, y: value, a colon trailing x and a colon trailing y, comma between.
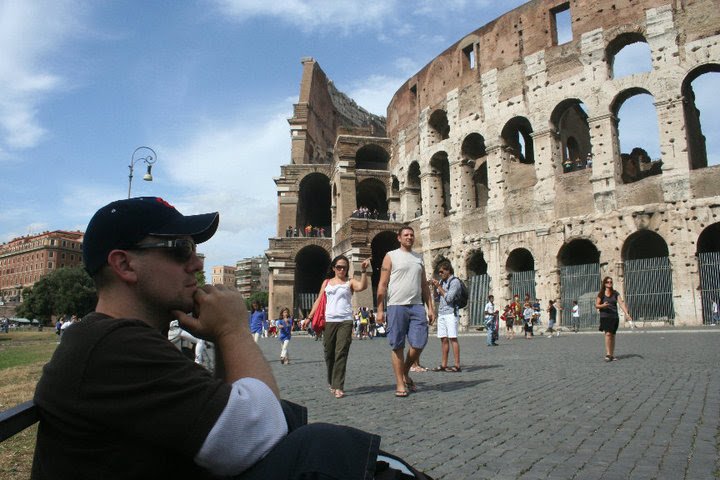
x: 479, y: 289
x: 581, y: 283
x: 709, y: 266
x: 522, y: 283
x: 304, y: 302
x: 648, y: 289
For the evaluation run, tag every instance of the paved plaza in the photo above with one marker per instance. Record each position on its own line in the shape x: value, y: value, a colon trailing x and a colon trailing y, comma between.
x: 532, y: 409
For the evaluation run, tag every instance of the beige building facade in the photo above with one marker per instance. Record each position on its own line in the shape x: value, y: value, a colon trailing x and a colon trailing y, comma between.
x: 25, y: 260
x: 223, y: 275
x: 504, y: 154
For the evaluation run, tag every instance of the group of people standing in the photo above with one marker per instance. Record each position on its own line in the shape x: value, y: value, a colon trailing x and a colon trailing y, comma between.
x: 405, y: 290
x: 409, y: 297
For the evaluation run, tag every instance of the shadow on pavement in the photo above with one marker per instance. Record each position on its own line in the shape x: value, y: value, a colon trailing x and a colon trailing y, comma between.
x: 629, y: 355
x: 422, y: 387
x: 474, y: 368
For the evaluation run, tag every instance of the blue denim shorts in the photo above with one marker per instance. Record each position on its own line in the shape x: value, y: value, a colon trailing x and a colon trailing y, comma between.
x: 407, y: 321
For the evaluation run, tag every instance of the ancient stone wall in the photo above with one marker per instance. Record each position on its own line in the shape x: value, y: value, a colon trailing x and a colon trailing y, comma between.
x: 537, y: 104
x: 504, y: 155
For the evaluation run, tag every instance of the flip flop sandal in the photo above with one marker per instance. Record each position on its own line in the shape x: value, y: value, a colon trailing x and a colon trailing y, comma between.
x: 453, y: 369
x: 411, y: 386
x: 440, y: 369
x: 401, y: 393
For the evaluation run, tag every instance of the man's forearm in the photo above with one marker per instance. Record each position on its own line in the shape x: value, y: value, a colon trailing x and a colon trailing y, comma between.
x: 242, y: 358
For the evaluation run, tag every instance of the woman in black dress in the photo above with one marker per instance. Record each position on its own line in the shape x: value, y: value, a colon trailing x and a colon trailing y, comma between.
x: 607, y: 302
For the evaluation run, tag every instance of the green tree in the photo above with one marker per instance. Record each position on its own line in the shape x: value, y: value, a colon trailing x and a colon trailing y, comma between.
x: 67, y: 290
x: 200, y: 277
x: 260, y: 297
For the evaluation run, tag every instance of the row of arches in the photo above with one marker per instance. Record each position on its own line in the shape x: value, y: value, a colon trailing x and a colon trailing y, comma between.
x: 647, y: 273
x: 639, y: 154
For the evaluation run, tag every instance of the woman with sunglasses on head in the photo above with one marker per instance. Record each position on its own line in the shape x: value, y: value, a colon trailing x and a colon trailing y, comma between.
x: 339, y: 318
x: 607, y: 302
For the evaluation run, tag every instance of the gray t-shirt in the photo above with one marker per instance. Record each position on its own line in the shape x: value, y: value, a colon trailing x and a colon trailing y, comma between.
x: 405, y: 278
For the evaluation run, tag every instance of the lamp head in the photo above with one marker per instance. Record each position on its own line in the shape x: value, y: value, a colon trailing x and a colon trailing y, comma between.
x: 148, y: 176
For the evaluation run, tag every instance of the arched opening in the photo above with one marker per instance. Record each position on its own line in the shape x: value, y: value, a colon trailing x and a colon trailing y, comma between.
x: 439, y: 126
x: 519, y: 159
x: 394, y: 185
x: 440, y: 168
x: 473, y: 147
x: 628, y: 54
x: 380, y: 245
x: 314, y: 202
x: 708, y: 253
x: 413, y: 192
x: 482, y: 189
x: 370, y: 194
x: 371, y: 157
x: 517, y: 140
x: 579, y: 262
x: 569, y: 119
x: 311, y: 267
x: 520, y: 268
x: 638, y: 135
x: 478, y: 283
x: 701, y: 115
x: 474, y: 154
x: 648, y: 277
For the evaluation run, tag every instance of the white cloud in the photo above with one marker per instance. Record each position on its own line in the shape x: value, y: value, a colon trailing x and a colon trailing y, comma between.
x: 375, y: 92
x: 308, y: 15
x: 30, y: 31
x: 229, y: 167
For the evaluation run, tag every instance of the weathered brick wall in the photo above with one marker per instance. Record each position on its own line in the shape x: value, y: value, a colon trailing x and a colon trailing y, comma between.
x: 521, y: 72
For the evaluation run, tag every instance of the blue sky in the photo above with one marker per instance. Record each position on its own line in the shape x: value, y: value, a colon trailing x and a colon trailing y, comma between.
x: 208, y: 84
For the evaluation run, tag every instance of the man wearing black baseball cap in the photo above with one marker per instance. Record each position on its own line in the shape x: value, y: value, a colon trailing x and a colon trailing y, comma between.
x: 118, y: 400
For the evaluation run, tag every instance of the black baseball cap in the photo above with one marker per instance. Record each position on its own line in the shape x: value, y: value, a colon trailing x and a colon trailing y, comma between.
x: 123, y: 223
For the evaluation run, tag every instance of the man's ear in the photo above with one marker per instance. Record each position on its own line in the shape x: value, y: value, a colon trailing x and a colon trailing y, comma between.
x: 121, y: 265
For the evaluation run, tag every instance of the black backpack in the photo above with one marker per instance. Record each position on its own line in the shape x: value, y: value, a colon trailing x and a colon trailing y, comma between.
x: 461, y: 300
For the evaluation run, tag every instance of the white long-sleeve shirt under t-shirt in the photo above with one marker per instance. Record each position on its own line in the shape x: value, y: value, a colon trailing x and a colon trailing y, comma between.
x: 254, y: 410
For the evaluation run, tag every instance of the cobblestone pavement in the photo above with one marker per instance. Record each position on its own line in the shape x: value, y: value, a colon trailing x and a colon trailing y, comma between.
x: 532, y: 409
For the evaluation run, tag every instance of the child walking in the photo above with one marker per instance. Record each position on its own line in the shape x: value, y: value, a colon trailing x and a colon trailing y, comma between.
x: 284, y: 333
x: 528, y: 314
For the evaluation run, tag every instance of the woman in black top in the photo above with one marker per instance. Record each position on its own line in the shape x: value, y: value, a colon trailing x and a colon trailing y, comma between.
x: 607, y: 302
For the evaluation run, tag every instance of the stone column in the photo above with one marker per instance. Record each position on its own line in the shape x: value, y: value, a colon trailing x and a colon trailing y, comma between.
x: 606, y: 161
x: 432, y: 201
x: 673, y: 150
x: 496, y: 179
x: 544, y: 143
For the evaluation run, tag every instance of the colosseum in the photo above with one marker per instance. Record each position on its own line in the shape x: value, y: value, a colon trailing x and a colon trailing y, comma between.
x: 504, y: 154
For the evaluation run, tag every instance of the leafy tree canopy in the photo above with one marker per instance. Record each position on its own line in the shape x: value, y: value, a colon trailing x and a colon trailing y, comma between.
x: 260, y: 297
x: 65, y: 291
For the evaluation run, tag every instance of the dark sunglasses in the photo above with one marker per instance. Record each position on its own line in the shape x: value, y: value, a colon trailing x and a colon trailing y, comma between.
x: 180, y: 249
x: 341, y: 267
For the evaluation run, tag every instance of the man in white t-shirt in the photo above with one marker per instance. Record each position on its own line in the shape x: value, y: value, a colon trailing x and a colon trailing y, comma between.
x: 409, y: 307
x: 490, y: 319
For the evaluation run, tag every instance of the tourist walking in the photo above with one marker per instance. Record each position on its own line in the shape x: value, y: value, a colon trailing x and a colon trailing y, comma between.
x: 575, y: 316
x: 339, y: 318
x: 447, y: 292
x: 509, y: 314
x: 284, y: 332
x: 256, y: 320
x: 552, y: 314
x: 607, y: 302
x: 528, y: 313
x: 490, y: 318
x: 409, y: 307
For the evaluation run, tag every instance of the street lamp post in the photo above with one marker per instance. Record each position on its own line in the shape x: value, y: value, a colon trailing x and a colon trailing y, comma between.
x: 149, y: 159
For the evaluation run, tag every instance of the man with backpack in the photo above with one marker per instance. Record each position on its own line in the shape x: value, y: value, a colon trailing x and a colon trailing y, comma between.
x: 451, y: 295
